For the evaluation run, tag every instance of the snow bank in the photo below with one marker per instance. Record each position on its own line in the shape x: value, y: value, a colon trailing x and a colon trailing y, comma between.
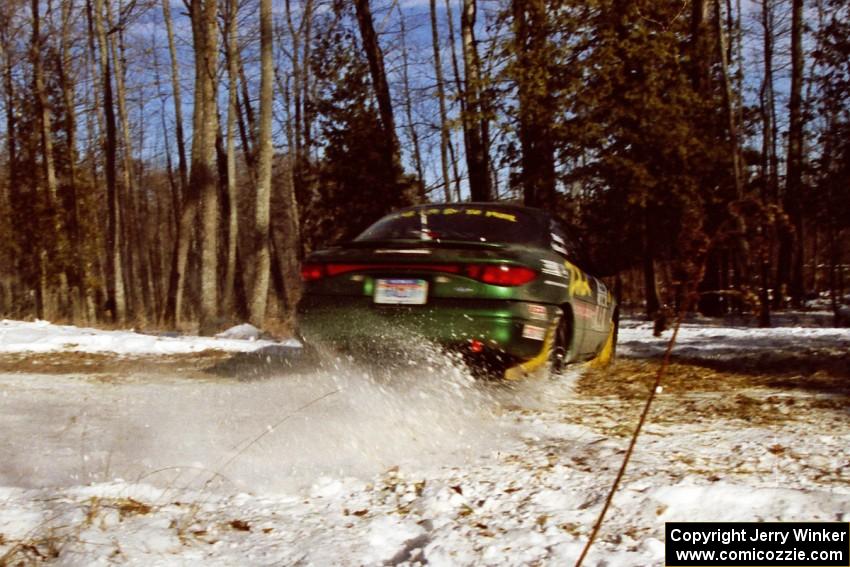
x: 43, y: 337
x: 701, y: 341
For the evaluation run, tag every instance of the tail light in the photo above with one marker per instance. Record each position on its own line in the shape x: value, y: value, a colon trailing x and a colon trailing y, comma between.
x: 493, y: 274
x: 501, y: 274
x: 312, y: 272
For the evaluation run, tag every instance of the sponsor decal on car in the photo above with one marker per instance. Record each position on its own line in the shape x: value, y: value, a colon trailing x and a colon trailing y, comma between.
x: 450, y: 211
x: 600, y: 320
x: 538, y: 312
x: 553, y: 268
x: 602, y: 294
x: 501, y: 215
x: 558, y: 244
x: 533, y: 332
x: 584, y: 311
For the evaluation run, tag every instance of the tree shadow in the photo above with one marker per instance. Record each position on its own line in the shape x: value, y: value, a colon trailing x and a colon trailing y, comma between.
x: 823, y: 371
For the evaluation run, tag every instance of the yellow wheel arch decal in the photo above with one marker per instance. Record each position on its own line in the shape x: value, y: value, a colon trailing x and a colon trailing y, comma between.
x: 606, y: 355
x: 523, y: 370
x: 579, y: 283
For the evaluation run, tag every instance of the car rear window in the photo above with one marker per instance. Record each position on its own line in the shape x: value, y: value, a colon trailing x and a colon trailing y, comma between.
x: 472, y: 224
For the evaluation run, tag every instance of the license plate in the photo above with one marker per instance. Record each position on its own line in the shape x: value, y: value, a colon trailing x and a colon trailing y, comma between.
x: 401, y: 292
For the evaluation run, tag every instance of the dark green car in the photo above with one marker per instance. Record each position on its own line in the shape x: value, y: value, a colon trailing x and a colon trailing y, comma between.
x: 496, y: 282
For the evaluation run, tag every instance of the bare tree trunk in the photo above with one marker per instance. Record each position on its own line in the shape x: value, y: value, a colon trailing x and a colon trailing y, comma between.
x: 11, y: 122
x: 166, y: 217
x: 115, y: 271
x: 474, y: 121
x: 180, y: 256
x: 441, y: 98
x: 203, y: 171
x: 455, y: 171
x: 769, y: 189
x: 460, y: 96
x: 307, y: 86
x: 246, y: 126
x: 96, y: 299
x: 173, y: 182
x: 178, y: 105
x: 408, y: 109
x: 45, y: 125
x: 653, y: 305
x: 12, y: 168
x: 283, y: 85
x: 768, y: 102
x: 286, y: 242
x: 729, y: 101
x: 232, y: 191
x: 77, y: 269
x: 185, y: 199
x: 135, y: 253
x: 247, y: 108
x: 379, y: 81
x: 262, y: 255
x: 295, y: 34
x: 742, y: 251
x: 45, y: 118
x: 794, y: 182
x: 698, y: 47
x: 300, y: 140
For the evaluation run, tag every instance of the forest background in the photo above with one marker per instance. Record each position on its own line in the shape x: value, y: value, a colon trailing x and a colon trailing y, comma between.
x: 168, y: 163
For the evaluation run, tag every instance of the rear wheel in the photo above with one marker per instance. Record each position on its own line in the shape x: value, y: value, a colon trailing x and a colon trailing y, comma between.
x: 561, y: 345
x: 488, y: 365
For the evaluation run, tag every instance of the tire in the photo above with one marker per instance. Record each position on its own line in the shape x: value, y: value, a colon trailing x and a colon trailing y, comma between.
x: 560, y: 357
x: 488, y: 365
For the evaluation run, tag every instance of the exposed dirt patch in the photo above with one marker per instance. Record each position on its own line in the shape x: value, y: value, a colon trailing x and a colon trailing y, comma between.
x: 630, y: 378
x: 102, y: 366
x: 611, y: 399
x: 802, y: 362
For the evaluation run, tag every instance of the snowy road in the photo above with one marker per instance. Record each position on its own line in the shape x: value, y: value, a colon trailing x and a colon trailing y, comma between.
x: 138, y: 462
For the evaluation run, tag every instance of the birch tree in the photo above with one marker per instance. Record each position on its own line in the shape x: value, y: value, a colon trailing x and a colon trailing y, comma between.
x: 474, y: 120
x: 441, y: 99
x: 202, y: 176
x: 262, y: 255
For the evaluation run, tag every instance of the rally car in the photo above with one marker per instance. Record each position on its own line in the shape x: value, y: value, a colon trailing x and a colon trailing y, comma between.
x: 499, y: 283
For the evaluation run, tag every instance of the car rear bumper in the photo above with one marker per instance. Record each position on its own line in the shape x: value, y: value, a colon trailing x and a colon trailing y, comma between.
x: 516, y: 328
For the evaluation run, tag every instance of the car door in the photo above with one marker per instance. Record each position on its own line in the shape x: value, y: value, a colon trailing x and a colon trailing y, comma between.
x: 600, y: 327
x: 581, y: 289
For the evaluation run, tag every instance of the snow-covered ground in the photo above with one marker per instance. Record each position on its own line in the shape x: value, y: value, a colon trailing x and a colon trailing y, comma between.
x: 350, y: 465
x: 42, y: 337
x: 710, y: 342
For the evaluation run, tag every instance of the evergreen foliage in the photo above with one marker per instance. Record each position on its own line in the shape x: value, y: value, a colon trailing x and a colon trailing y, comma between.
x: 355, y: 185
